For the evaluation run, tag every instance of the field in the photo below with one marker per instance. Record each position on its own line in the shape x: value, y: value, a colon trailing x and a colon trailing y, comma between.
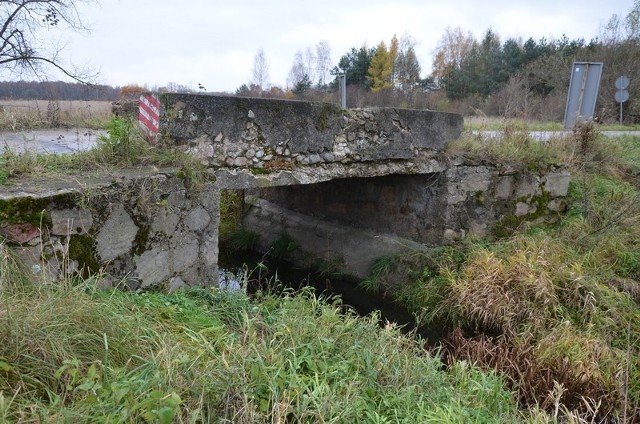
x: 18, y: 115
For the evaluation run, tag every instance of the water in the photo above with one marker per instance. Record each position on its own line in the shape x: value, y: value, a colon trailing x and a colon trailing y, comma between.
x: 259, y: 274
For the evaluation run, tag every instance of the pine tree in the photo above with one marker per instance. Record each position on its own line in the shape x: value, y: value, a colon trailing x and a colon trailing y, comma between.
x: 381, y: 69
x: 394, y: 50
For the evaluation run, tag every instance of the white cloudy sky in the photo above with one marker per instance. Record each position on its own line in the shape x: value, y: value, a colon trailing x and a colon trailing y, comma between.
x: 213, y: 42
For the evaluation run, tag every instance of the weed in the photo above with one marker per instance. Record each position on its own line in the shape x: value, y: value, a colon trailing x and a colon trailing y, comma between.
x: 241, y: 240
x: 282, y: 246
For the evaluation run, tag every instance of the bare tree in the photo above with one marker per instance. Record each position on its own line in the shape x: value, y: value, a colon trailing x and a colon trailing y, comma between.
x: 22, y: 47
x: 260, y: 72
x: 452, y: 48
x: 323, y: 62
x: 309, y: 62
x: 297, y: 71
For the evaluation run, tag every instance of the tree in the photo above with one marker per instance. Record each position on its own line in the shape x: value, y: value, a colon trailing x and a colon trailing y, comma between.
x: 309, y: 63
x: 454, y: 46
x: 303, y: 85
x: 381, y: 69
x: 406, y: 67
x: 323, y: 62
x: 260, y: 71
x: 394, y: 50
x: 355, y: 65
x: 297, y: 71
x: 22, y: 49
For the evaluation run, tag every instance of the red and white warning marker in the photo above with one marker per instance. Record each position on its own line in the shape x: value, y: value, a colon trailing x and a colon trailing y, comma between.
x: 149, y: 116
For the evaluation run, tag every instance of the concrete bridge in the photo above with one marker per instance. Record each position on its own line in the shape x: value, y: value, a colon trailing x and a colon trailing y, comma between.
x: 352, y: 185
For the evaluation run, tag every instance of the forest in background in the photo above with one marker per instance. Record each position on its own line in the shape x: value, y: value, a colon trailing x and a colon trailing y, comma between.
x: 56, y: 90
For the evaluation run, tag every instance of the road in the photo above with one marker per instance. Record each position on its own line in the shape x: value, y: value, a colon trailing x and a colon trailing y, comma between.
x: 547, y: 135
x: 57, y: 140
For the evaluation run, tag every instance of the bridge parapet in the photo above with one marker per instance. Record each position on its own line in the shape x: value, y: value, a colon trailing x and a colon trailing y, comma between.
x: 273, y: 135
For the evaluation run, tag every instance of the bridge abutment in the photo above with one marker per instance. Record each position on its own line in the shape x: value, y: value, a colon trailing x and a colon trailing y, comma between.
x: 142, y: 229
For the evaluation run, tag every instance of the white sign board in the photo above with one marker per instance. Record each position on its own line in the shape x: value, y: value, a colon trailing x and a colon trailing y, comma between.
x: 583, y: 92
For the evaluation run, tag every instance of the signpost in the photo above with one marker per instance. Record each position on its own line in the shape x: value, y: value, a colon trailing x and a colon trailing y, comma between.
x: 149, y: 116
x: 622, y: 95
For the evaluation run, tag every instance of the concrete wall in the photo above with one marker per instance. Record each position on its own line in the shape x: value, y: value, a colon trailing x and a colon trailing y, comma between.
x: 144, y: 228
x: 274, y: 135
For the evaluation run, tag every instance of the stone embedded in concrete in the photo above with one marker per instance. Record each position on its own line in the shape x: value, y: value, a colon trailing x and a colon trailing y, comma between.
x: 71, y: 221
x: 165, y: 221
x: 152, y: 267
x: 527, y: 186
x: 557, y: 183
x: 176, y: 283
x: 184, y: 256
x: 117, y: 235
x: 178, y: 199
x: 20, y: 233
x: 450, y: 235
x: 478, y: 229
x: 523, y: 209
x: 197, y: 219
x: 503, y: 187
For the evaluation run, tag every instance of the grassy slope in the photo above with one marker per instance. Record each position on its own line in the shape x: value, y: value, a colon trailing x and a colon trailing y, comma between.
x: 72, y: 354
x: 553, y: 308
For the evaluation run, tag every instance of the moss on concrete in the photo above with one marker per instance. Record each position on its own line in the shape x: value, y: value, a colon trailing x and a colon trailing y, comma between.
x: 509, y: 223
x: 82, y: 249
x: 22, y: 210
x: 324, y: 117
x: 140, y: 241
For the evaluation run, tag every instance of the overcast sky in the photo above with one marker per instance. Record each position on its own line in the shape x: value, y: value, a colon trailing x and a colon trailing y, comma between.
x: 213, y: 42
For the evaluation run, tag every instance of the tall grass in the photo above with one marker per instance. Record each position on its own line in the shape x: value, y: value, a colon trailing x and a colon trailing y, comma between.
x: 72, y: 353
x: 552, y: 308
x: 21, y: 115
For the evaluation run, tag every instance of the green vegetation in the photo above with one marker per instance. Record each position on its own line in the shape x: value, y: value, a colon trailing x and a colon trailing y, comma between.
x: 554, y: 309
x: 72, y: 353
x: 502, y: 124
x: 124, y: 146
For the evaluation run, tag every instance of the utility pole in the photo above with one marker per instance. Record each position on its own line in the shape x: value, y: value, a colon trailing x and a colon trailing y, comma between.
x: 342, y: 82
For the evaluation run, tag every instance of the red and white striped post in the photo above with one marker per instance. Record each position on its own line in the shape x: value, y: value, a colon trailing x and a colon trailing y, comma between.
x: 149, y: 116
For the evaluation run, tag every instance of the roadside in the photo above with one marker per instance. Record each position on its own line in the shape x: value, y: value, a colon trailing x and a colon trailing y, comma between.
x: 548, y: 135
x: 56, y: 140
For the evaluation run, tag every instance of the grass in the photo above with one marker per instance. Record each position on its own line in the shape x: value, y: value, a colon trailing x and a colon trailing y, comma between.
x: 473, y: 123
x: 554, y: 309
x: 72, y: 353
x: 124, y: 146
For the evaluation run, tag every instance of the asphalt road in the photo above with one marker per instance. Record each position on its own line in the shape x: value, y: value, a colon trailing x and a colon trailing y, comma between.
x: 57, y: 140
x: 547, y: 135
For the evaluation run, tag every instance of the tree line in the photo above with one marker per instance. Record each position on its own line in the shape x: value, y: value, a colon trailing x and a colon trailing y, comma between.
x: 516, y: 77
x: 56, y: 90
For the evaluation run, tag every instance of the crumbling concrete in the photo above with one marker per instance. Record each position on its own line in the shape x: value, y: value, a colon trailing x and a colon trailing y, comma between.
x: 272, y: 135
x: 143, y: 228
